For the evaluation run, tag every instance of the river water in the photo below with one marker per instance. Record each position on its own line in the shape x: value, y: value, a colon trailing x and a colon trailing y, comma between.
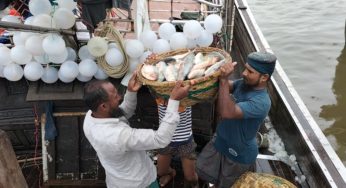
x: 309, y: 39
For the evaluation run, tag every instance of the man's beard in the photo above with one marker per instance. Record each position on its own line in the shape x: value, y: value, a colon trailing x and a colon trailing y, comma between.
x: 247, y: 86
x: 117, y: 113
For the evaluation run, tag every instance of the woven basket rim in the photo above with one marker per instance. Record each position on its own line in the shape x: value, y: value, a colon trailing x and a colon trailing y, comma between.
x: 161, y: 56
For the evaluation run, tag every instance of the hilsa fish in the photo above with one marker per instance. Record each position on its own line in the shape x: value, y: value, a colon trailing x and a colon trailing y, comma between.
x: 150, y: 72
x: 161, y: 67
x: 214, y: 68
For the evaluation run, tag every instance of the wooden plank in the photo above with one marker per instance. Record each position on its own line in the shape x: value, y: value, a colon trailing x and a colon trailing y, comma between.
x: 10, y: 173
x: 67, y: 148
x: 52, y: 160
x: 39, y: 91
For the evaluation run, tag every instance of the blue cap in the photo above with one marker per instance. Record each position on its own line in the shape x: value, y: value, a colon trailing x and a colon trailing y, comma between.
x: 262, y: 62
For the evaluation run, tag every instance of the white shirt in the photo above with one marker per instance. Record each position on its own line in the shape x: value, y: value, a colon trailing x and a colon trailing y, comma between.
x: 122, y: 149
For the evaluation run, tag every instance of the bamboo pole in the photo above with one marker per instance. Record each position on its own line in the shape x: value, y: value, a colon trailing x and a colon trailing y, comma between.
x: 29, y: 28
x: 30, y: 159
x: 68, y: 114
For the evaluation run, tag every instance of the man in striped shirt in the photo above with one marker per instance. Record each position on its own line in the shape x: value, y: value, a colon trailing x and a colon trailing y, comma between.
x: 182, y: 145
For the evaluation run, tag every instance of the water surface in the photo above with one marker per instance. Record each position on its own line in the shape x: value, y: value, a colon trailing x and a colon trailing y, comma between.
x: 309, y: 39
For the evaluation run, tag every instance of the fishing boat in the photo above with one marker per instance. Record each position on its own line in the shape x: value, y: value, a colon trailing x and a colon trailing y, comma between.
x: 70, y: 161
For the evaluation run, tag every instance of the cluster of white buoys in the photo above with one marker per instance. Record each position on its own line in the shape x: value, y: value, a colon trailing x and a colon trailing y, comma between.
x: 38, y: 59
x: 36, y: 56
x: 193, y: 35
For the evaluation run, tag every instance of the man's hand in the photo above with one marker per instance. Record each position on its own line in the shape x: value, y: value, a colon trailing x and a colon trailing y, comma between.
x: 227, y: 69
x: 179, y: 91
x: 134, y: 84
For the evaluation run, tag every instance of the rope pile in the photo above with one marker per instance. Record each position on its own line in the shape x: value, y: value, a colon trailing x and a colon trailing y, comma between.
x: 113, y: 35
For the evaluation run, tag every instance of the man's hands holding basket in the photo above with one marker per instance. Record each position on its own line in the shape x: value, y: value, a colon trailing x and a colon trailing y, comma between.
x: 134, y: 84
x: 179, y: 91
x: 227, y: 69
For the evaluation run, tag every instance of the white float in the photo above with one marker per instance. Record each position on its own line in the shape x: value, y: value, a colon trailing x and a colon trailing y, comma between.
x: 134, y: 48
x: 114, y: 57
x: 87, y: 68
x: 84, y: 53
x: 20, y: 55
x: 53, y: 44
x: 44, y: 20
x: 213, y: 23
x: 192, y: 29
x: 205, y: 39
x: 166, y: 30
x: 178, y: 41
x: 148, y: 38
x: 5, y: 55
x: 50, y: 75
x: 100, y: 74
x: 33, y: 71
x: 97, y: 46
x: 13, y: 72
x: 69, y: 70
x: 59, y: 58
x: 161, y: 46
x: 34, y: 45
x: 72, y: 56
x: 64, y: 18
x: 37, y: 7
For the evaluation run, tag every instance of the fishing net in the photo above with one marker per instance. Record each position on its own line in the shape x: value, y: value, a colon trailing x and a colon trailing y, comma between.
x: 261, y: 180
x: 204, y: 88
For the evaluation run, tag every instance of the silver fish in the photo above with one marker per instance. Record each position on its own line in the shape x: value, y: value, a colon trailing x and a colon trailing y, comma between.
x: 161, y: 66
x: 199, y: 58
x: 214, y: 68
x: 188, y: 63
x: 208, y: 62
x: 149, y: 72
x: 216, y: 54
x: 196, y: 73
x: 170, y: 73
x: 180, y: 75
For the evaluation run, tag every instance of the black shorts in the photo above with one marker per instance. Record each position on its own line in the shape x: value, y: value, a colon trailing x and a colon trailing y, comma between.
x: 186, y: 150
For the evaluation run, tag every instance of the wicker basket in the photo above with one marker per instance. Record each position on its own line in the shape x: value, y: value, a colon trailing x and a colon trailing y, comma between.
x: 261, y: 180
x: 204, y: 89
x: 108, y: 30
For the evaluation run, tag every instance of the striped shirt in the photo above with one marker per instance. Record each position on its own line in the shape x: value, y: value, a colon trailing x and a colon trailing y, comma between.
x: 183, y: 132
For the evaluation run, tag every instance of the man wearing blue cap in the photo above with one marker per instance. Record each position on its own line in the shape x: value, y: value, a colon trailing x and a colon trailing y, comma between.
x: 233, y: 150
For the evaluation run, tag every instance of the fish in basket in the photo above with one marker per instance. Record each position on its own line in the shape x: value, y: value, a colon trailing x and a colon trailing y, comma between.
x: 199, y: 66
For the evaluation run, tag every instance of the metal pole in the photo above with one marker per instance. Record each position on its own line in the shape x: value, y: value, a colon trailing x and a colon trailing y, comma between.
x: 37, y: 29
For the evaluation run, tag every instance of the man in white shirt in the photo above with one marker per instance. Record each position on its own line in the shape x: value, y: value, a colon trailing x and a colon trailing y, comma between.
x: 120, y: 148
